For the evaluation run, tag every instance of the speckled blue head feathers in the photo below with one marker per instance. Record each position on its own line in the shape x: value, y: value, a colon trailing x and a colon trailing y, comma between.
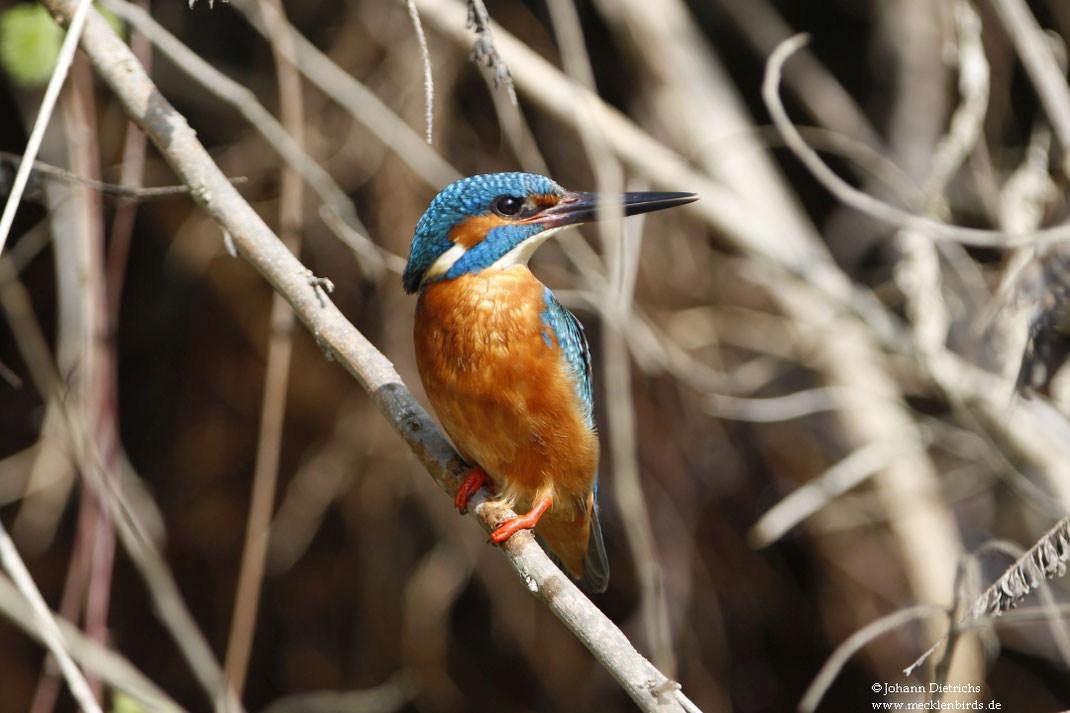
x: 491, y: 220
x: 464, y: 199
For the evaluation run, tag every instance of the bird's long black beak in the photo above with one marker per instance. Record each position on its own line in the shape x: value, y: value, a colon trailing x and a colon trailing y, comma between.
x: 583, y: 207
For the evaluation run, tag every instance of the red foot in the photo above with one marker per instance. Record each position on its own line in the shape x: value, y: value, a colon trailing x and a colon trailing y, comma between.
x: 476, y: 479
x: 522, y: 522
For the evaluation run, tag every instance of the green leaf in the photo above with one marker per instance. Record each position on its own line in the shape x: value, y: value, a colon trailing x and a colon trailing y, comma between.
x: 29, y: 44
x: 30, y: 40
x: 122, y: 703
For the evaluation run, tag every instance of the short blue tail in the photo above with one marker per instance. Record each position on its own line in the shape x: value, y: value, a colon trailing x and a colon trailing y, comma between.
x: 595, y: 564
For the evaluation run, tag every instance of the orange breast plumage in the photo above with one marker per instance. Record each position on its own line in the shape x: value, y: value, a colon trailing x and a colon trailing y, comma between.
x: 498, y: 379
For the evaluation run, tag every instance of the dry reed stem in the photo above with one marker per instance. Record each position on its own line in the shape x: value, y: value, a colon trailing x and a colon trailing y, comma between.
x: 107, y: 665
x: 125, y: 193
x: 88, y: 364
x: 134, y: 532
x: 276, y: 373
x: 46, y: 623
x: 75, y: 224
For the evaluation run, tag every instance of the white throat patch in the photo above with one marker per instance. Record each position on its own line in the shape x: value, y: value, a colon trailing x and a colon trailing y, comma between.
x: 518, y: 255
x: 443, y: 262
x: 522, y: 252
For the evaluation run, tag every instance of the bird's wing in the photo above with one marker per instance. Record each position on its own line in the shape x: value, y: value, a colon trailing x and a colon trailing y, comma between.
x: 573, y: 342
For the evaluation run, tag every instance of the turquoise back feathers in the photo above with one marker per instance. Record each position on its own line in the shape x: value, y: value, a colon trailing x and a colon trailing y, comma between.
x: 573, y: 343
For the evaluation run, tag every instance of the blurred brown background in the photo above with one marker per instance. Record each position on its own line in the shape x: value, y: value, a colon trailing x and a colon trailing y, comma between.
x: 372, y: 579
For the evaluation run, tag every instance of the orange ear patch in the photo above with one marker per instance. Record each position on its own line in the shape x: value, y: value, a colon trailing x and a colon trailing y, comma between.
x: 472, y: 231
x: 545, y: 200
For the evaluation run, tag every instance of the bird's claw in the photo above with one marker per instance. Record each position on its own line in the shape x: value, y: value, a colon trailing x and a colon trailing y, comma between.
x: 527, y: 521
x: 476, y: 479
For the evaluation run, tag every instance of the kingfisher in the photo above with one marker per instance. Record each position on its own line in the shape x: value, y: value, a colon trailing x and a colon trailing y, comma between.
x: 505, y: 366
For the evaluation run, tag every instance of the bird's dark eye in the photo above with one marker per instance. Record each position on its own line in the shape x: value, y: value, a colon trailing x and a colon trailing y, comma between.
x: 507, y: 205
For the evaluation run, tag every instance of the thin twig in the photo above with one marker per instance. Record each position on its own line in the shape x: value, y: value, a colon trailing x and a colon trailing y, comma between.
x: 484, y: 49
x: 853, y: 644
x: 86, y: 363
x: 869, y: 163
x: 128, y: 192
x: 863, y: 202
x: 846, y: 474
x: 967, y: 121
x: 46, y: 624
x: 777, y: 408
x: 425, y: 56
x: 107, y: 665
x: 1024, y: 200
x: 102, y: 404
x: 919, y: 272
x: 48, y: 103
x: 388, y: 696
x: 1041, y: 65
